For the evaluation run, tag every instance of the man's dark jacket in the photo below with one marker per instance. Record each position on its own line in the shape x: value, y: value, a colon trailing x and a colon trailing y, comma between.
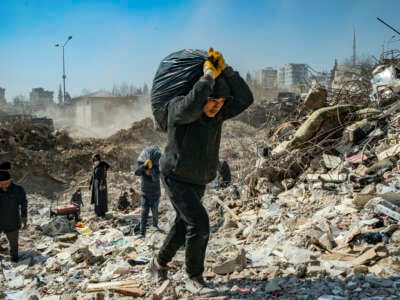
x: 150, y: 185
x: 13, y: 207
x: 192, y: 151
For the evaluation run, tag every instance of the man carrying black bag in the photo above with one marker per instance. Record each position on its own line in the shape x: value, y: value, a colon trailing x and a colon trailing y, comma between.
x: 190, y: 162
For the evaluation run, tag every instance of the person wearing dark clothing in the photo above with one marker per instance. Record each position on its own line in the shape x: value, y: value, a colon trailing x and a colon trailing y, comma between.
x: 5, y: 166
x: 13, y: 211
x: 135, y: 198
x: 224, y: 174
x: 98, y: 185
x: 76, y: 199
x: 123, y: 202
x: 151, y: 191
x: 190, y: 162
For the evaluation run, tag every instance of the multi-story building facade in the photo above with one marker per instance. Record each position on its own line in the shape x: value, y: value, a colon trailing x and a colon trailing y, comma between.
x: 281, y: 77
x: 39, y: 97
x: 267, y: 78
x: 2, y: 96
x: 295, y: 74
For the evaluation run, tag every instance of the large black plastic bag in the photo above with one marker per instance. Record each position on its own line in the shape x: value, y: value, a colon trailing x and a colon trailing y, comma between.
x: 150, y: 152
x: 176, y: 75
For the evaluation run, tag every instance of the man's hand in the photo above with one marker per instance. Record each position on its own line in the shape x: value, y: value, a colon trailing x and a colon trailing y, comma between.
x: 214, y: 65
x: 148, y: 164
x: 102, y: 188
x: 24, y: 222
x: 147, y: 172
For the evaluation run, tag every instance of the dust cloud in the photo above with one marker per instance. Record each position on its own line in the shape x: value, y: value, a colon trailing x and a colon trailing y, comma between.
x: 121, y: 117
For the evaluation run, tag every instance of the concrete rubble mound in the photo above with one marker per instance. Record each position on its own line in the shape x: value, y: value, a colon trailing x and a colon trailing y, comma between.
x: 313, y: 211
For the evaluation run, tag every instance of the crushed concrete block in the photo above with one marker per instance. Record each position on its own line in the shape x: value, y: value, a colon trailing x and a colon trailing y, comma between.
x: 316, y: 97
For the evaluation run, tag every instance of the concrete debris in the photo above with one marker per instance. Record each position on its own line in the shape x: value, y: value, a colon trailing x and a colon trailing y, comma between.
x: 316, y: 97
x: 237, y: 262
x: 313, y: 211
x: 322, y: 120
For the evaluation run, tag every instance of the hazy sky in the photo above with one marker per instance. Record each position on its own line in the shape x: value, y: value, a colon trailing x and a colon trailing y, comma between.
x: 124, y: 41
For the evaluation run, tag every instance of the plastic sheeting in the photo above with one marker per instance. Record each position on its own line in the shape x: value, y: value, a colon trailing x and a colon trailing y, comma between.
x: 176, y: 75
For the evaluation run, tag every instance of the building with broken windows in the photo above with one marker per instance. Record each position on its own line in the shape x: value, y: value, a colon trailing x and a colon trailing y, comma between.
x: 294, y: 75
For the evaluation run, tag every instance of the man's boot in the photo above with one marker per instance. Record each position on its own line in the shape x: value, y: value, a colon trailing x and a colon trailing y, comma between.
x: 14, y: 255
x: 197, y: 286
x: 159, y: 273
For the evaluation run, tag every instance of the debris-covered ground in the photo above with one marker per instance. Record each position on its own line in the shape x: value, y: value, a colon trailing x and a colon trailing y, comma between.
x: 313, y: 211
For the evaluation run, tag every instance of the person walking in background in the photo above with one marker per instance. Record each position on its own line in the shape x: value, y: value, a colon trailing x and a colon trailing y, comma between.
x: 150, y: 185
x: 98, y: 185
x: 13, y: 210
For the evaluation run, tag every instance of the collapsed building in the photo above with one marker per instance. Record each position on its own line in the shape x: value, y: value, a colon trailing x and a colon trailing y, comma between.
x: 312, y: 212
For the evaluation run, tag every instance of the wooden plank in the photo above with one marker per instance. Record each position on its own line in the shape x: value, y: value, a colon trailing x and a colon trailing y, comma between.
x: 128, y: 291
x: 158, y: 293
x: 96, y: 287
x: 367, y: 255
x: 230, y: 211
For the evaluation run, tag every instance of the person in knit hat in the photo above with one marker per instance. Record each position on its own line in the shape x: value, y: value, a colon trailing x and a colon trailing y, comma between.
x: 5, y: 166
x: 13, y: 209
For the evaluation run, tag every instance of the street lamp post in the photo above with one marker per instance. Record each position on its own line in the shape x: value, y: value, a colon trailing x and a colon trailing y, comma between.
x: 64, y: 76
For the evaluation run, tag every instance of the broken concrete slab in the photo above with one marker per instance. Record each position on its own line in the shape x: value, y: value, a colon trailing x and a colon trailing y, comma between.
x: 331, y: 161
x: 235, y: 263
x: 392, y: 151
x: 315, y: 122
x: 316, y: 97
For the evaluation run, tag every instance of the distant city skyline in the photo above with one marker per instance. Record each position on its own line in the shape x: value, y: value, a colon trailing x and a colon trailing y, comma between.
x: 124, y: 41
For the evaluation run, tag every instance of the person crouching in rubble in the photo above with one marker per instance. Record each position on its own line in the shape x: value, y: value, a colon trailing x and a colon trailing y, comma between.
x: 151, y: 191
x: 223, y: 174
x: 76, y: 198
x: 13, y: 211
x: 123, y: 202
x: 98, y: 185
x: 190, y: 162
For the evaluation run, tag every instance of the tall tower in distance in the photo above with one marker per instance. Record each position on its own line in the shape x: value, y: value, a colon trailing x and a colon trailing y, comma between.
x: 354, y: 47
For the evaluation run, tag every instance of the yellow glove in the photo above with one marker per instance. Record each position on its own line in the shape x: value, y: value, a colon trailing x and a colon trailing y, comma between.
x: 148, y: 163
x: 215, y: 62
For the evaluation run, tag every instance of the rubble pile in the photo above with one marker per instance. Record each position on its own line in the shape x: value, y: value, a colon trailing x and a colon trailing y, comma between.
x: 68, y: 159
x: 313, y: 212
x: 321, y: 204
x: 28, y: 134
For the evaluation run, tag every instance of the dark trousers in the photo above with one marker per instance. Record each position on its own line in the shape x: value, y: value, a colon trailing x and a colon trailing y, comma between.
x: 149, y: 203
x: 191, y: 226
x: 12, y: 237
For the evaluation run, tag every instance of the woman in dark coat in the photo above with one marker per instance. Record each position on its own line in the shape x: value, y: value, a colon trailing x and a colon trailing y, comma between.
x: 98, y: 185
